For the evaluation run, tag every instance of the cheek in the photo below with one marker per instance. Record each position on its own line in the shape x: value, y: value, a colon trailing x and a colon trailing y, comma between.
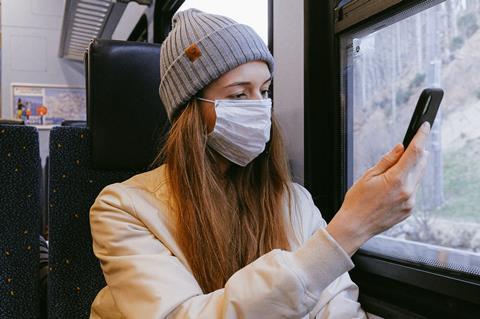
x: 209, y: 116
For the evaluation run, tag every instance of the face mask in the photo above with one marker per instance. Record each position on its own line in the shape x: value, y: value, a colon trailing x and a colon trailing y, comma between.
x: 242, y: 129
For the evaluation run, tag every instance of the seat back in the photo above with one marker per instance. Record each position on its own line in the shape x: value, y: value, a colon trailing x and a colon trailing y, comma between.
x: 20, y: 213
x: 124, y: 111
x: 75, y: 276
x: 124, y: 117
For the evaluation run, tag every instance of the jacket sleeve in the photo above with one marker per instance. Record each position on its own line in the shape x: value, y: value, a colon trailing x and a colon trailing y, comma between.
x: 339, y: 299
x: 147, y: 281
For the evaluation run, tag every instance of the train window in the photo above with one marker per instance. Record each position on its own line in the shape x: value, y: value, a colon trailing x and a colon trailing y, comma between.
x: 251, y: 12
x: 385, y: 67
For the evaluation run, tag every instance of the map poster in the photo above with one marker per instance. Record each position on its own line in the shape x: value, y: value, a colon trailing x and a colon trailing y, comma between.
x: 48, y: 104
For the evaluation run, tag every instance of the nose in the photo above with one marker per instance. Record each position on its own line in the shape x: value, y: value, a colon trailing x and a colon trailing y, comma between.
x: 258, y: 95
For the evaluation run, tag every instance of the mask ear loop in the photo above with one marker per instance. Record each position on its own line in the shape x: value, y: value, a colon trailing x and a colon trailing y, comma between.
x: 205, y: 100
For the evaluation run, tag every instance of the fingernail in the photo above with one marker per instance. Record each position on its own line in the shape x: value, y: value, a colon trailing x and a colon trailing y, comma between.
x: 425, y: 127
x: 397, y: 149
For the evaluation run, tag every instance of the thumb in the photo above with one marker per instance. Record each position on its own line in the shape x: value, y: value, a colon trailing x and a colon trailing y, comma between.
x: 388, y: 160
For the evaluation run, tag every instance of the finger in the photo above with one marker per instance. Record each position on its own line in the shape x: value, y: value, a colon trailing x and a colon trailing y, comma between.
x: 419, y: 170
x: 415, y: 149
x: 409, y: 204
x: 388, y: 160
x: 421, y: 136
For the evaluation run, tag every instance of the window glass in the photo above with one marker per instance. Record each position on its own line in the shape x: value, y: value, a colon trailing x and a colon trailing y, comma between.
x: 385, y: 69
x: 251, y: 12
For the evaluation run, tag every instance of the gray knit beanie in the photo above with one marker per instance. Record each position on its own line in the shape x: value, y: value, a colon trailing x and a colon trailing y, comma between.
x: 200, y: 48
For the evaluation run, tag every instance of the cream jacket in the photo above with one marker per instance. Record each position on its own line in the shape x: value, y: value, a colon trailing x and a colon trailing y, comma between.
x: 148, y: 276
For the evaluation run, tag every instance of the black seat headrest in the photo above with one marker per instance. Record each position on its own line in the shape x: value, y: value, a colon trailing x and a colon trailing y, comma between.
x: 124, y: 111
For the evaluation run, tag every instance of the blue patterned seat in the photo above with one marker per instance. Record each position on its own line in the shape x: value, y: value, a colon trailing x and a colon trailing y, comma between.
x: 20, y: 178
x: 75, y: 276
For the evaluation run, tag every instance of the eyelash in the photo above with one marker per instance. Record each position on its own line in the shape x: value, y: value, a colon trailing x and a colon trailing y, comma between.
x: 240, y: 95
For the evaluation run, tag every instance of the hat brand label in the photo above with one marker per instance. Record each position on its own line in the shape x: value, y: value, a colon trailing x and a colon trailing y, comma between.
x: 193, y: 52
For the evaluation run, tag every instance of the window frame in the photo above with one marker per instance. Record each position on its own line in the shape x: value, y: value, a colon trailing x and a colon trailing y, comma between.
x: 162, y: 16
x: 383, y: 280
x: 140, y: 28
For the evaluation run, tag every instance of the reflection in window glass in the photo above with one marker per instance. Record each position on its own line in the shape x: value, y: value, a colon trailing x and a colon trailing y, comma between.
x: 250, y: 12
x: 384, y: 72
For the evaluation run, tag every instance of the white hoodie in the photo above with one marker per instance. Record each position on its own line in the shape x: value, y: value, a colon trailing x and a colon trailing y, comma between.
x: 148, y: 276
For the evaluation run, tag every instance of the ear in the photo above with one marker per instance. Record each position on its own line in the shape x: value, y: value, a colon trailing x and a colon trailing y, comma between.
x: 207, y: 111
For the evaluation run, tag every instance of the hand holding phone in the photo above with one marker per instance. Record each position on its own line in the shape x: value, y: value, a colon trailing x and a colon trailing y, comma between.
x: 425, y: 111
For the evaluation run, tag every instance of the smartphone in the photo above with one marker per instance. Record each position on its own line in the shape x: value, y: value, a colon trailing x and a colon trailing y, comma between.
x: 425, y: 111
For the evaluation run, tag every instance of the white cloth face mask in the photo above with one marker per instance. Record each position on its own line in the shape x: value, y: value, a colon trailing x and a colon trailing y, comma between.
x: 242, y: 129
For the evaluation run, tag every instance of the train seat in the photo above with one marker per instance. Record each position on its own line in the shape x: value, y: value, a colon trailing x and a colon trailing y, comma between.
x: 124, y: 120
x: 20, y: 212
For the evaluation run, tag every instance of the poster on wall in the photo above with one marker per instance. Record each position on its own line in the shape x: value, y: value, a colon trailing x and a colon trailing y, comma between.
x: 38, y: 104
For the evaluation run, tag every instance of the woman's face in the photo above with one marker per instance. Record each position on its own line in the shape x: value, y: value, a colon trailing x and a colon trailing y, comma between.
x: 249, y: 81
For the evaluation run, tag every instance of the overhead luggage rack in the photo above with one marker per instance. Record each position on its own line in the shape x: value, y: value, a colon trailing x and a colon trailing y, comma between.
x: 85, y: 20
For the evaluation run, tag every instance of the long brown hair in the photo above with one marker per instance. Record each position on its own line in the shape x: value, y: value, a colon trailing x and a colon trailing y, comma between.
x: 224, y: 220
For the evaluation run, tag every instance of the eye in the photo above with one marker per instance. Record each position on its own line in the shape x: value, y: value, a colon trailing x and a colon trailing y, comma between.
x: 265, y: 94
x: 239, y: 96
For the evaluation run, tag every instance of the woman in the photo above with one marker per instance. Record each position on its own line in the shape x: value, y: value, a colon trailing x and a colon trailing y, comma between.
x: 219, y: 230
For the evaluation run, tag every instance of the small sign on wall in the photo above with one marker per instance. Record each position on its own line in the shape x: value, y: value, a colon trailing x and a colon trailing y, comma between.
x: 39, y: 104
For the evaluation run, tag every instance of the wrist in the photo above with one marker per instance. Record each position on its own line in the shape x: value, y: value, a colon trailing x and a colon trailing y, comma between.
x: 348, y: 235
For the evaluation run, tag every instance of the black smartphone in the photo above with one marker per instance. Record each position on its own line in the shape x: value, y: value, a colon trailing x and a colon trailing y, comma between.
x: 425, y: 111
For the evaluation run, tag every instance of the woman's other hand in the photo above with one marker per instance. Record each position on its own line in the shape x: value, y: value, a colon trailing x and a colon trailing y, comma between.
x: 383, y: 196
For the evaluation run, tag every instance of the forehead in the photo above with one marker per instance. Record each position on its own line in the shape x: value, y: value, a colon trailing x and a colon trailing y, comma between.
x: 256, y: 72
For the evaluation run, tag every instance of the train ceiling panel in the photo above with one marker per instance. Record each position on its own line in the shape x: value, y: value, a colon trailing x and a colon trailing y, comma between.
x: 85, y: 20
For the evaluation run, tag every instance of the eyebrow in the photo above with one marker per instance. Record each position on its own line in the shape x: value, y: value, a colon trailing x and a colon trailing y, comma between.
x: 245, y: 83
